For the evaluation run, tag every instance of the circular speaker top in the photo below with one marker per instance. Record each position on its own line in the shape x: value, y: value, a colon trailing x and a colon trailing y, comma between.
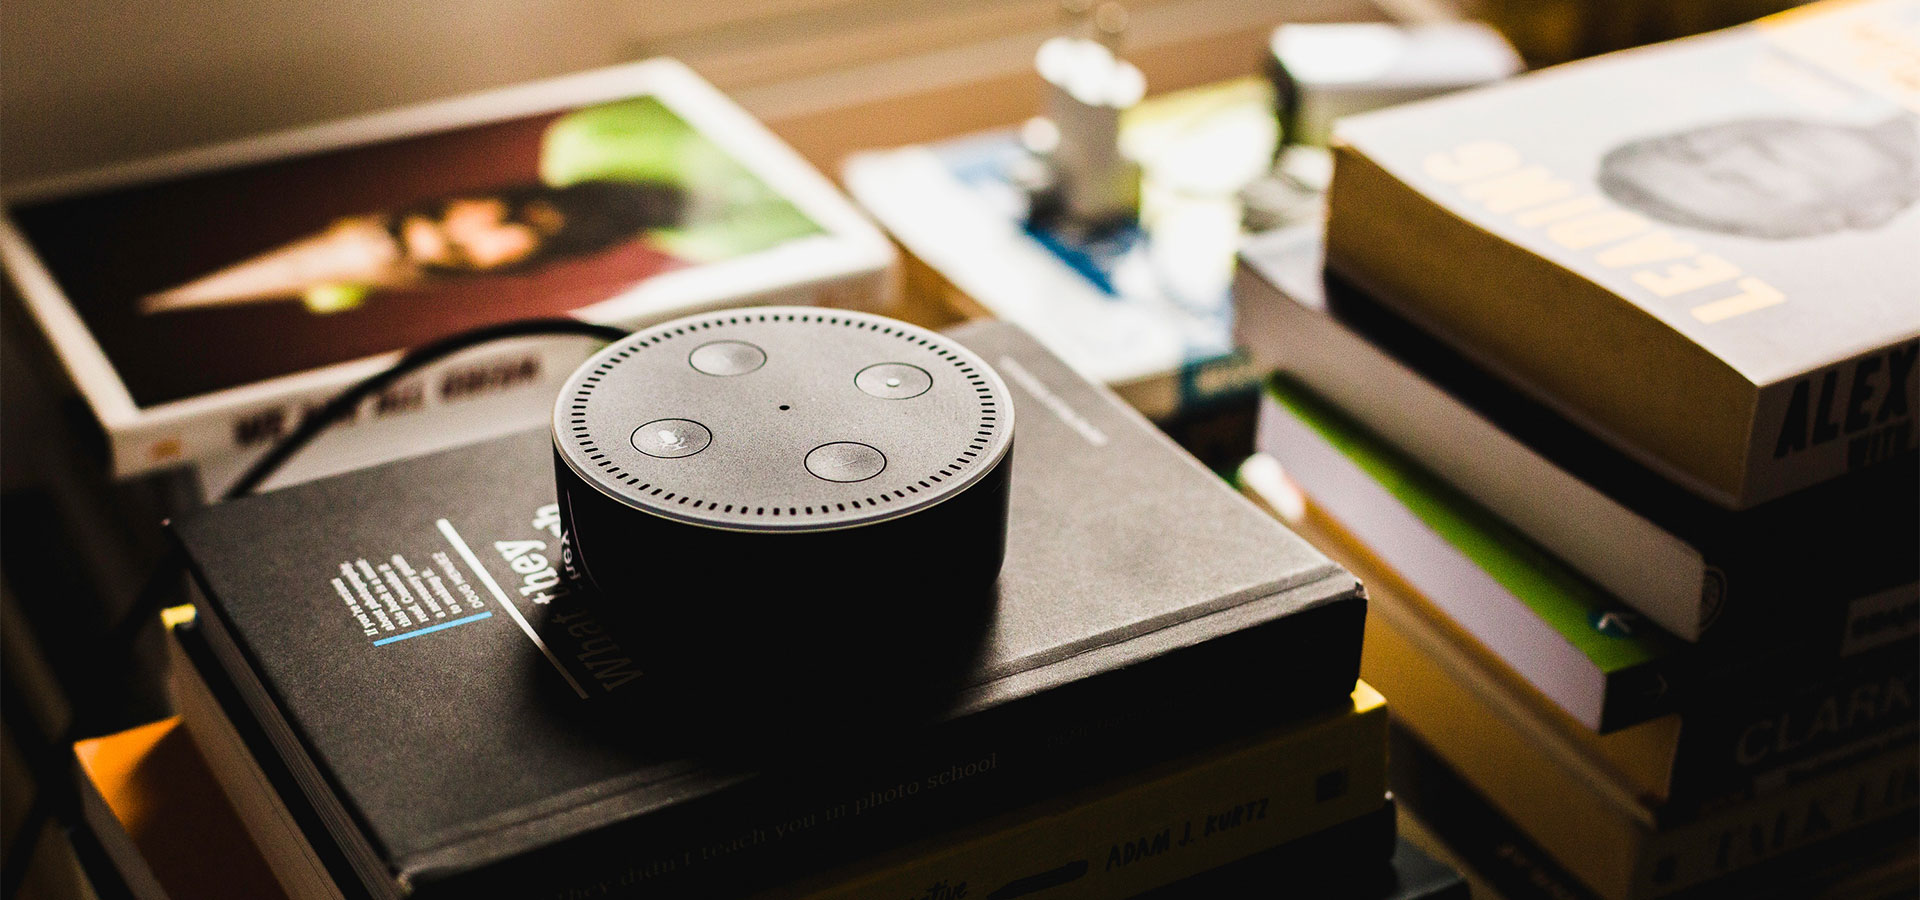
x: 783, y: 419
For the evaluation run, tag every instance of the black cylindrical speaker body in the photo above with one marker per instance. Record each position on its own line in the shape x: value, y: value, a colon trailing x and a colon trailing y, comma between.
x: 787, y: 488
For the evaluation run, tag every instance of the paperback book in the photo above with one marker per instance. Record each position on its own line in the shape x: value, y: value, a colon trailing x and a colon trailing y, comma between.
x: 1686, y: 732
x: 1701, y: 251
x: 1555, y: 629
x: 1140, y: 603
x: 1735, y: 579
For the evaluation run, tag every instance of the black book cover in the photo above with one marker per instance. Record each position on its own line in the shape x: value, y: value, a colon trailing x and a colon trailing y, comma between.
x: 464, y: 722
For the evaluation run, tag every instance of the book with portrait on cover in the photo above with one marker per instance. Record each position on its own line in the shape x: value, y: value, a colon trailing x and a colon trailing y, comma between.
x: 1702, y: 251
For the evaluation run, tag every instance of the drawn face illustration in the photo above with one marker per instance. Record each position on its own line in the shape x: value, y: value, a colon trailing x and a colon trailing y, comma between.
x: 1770, y: 178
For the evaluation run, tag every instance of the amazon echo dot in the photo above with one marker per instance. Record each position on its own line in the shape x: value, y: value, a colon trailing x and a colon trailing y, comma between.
x: 793, y: 484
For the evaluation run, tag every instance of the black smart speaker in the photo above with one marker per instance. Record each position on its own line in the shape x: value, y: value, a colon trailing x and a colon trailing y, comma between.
x: 781, y: 492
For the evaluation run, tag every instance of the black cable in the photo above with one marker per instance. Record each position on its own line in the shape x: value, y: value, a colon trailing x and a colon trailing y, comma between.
x: 350, y: 399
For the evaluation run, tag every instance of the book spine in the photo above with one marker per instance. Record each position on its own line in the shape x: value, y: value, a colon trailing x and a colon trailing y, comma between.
x: 1170, y: 824
x: 1744, y: 584
x: 1567, y: 814
x: 1875, y: 788
x: 1751, y: 747
x: 1510, y: 862
x: 1407, y: 392
x: 1700, y: 573
x: 1834, y: 421
x: 1579, y: 810
x: 1333, y: 861
x: 1098, y: 728
x: 1751, y: 588
x: 530, y: 369
x: 1740, y: 747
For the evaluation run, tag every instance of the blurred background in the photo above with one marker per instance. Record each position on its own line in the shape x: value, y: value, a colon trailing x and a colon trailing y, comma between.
x: 84, y: 83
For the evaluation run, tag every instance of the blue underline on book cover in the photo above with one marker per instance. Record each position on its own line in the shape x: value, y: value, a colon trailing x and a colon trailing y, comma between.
x: 432, y: 628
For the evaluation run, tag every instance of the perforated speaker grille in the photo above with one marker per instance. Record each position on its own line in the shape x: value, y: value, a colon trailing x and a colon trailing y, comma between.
x: 783, y: 418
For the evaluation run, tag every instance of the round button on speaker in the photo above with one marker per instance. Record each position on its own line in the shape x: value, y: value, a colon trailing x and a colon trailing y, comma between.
x: 845, y: 461
x: 749, y: 482
x: 725, y: 358
x: 894, y: 381
x: 671, y: 438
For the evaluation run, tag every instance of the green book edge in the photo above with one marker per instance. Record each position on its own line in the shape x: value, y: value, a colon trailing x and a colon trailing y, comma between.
x: 1566, y: 601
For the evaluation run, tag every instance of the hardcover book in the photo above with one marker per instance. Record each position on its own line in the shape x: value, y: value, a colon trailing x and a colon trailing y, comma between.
x: 1701, y: 251
x: 203, y: 301
x: 1736, y: 579
x: 459, y: 717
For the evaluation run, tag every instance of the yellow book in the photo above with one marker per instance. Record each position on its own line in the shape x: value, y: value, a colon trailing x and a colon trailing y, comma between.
x: 1151, y: 828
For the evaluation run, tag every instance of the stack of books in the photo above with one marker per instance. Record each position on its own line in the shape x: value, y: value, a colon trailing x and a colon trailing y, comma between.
x: 1604, y: 381
x: 401, y: 698
x: 165, y: 321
